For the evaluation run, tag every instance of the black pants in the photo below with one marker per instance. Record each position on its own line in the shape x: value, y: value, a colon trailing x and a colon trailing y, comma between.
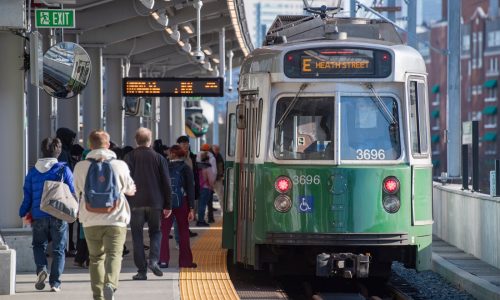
x: 71, y: 245
x: 141, y: 215
x: 82, y: 252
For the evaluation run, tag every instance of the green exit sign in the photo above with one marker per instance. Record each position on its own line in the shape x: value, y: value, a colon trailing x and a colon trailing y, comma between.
x: 54, y: 18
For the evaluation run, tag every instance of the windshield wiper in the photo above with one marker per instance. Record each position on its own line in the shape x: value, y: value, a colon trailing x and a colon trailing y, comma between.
x: 381, y: 106
x: 291, y: 106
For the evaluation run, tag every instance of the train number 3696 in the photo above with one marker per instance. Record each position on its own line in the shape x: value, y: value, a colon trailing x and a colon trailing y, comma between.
x: 368, y: 154
x: 306, y: 179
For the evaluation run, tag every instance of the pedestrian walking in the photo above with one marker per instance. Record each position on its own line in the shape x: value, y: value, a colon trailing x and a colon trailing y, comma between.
x: 44, y: 226
x: 67, y: 138
x: 103, y: 177
x: 183, y: 210
x: 152, y: 201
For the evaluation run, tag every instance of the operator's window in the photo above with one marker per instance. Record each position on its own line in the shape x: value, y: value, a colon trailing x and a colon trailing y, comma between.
x: 369, y: 128
x: 304, y: 128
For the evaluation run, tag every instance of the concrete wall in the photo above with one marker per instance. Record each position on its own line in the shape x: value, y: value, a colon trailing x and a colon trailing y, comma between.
x: 469, y: 221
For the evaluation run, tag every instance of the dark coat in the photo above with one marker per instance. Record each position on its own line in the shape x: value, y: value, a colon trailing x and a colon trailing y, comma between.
x: 187, y: 179
x: 151, y: 176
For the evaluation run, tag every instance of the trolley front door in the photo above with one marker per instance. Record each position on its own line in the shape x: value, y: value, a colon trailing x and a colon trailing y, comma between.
x: 247, y: 116
x: 230, y: 190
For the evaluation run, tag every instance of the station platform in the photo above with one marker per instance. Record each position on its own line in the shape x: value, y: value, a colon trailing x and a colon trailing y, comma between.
x: 210, y: 279
x: 465, y: 271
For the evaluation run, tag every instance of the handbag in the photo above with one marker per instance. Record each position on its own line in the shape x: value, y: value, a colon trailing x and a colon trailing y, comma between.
x: 58, y: 201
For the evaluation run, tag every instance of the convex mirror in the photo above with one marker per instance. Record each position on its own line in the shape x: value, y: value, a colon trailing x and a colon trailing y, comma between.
x: 66, y: 70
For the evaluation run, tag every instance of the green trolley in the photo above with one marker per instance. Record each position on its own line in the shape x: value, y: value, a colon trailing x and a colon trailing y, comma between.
x: 328, y: 155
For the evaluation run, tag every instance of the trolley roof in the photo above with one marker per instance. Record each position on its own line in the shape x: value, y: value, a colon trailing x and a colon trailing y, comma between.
x: 289, y: 33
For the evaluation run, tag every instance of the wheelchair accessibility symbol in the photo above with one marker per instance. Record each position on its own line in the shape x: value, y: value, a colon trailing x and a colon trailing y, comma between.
x: 305, y: 204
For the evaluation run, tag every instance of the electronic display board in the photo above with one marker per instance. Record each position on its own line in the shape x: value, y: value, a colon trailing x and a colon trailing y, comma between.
x: 338, y: 63
x: 173, y: 87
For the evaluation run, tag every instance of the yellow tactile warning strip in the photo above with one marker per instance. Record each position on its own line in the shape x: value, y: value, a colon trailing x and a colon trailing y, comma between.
x: 210, y: 279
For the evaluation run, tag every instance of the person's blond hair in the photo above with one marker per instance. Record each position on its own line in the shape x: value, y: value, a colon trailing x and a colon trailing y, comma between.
x: 99, y: 139
x: 143, y: 137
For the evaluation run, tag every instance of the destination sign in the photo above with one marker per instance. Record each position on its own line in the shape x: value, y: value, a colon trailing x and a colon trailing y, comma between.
x: 173, y: 87
x: 338, y: 63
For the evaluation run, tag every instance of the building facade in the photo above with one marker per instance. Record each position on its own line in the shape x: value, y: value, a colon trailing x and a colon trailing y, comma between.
x: 480, y: 53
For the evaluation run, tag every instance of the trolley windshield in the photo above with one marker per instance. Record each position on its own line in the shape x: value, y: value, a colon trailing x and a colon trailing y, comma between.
x: 306, y: 132
x: 366, y: 134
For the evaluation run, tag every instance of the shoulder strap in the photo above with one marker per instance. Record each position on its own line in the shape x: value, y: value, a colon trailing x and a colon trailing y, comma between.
x: 60, y: 172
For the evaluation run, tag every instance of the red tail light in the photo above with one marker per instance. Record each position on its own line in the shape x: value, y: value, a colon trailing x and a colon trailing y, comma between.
x: 391, y: 185
x: 283, y: 184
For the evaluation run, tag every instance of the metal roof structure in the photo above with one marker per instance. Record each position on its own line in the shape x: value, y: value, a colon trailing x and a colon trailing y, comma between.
x: 160, y: 36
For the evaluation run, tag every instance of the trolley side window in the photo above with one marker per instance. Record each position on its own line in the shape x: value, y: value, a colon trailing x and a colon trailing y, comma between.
x: 232, y: 135
x: 418, y: 124
x: 366, y: 134
x: 306, y: 132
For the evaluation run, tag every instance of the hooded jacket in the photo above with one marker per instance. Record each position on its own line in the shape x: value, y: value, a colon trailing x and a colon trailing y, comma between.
x: 121, y: 215
x: 44, y: 169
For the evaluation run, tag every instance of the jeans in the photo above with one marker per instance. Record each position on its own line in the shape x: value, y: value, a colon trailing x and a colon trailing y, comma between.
x: 205, y: 196
x: 141, y: 215
x: 105, y: 245
x: 57, y: 230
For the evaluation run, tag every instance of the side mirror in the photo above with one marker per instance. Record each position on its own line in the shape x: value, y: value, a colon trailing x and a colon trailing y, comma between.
x: 240, y: 116
x: 66, y: 70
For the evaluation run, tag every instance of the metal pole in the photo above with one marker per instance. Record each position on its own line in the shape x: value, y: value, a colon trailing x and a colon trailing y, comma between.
x: 392, y: 14
x: 230, y: 70
x: 465, y: 167
x: 412, y: 24
x: 352, y: 10
x: 475, y: 156
x: 453, y: 103
x: 222, y: 53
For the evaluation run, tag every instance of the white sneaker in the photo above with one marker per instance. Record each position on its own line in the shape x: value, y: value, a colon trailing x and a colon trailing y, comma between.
x: 109, y: 292
x: 55, y: 289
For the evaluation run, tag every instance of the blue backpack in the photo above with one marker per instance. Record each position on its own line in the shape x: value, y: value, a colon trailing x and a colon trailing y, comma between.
x: 176, y: 184
x: 101, y: 191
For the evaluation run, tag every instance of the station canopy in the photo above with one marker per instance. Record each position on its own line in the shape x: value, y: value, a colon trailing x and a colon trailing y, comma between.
x: 160, y: 36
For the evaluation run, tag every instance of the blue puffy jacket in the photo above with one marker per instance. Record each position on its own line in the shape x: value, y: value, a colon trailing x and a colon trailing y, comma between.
x: 33, y: 188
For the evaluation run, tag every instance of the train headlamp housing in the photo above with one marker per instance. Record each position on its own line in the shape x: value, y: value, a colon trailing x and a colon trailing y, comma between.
x: 390, y: 196
x: 283, y: 203
x: 391, y: 203
x: 283, y: 184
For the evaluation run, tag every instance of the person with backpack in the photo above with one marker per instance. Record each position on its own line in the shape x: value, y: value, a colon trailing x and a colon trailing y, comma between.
x: 101, y: 183
x: 152, y: 201
x: 45, y: 226
x: 67, y: 138
x: 182, y: 183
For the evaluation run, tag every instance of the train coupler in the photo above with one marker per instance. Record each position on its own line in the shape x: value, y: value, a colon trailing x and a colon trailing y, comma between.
x: 346, y: 265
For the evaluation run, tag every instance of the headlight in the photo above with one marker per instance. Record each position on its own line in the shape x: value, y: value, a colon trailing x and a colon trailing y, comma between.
x: 391, y: 203
x: 282, y: 203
